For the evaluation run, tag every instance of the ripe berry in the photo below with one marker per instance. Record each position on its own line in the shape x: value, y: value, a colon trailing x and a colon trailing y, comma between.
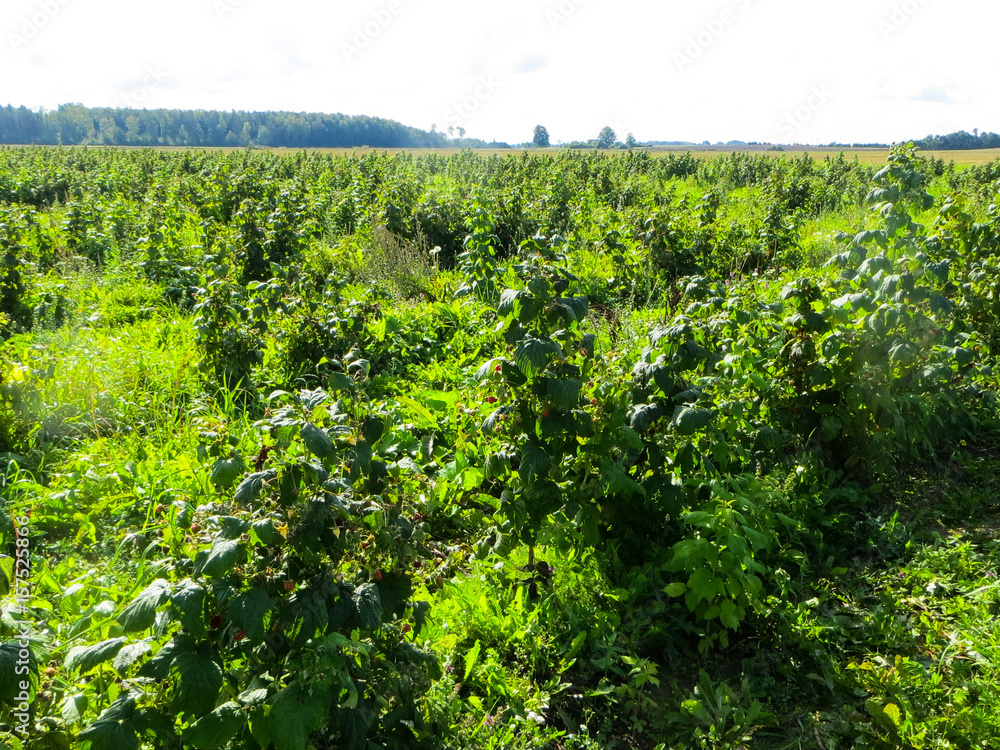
x: 196, y: 527
x: 546, y: 413
x: 491, y: 400
x: 239, y: 636
x: 406, y: 628
x: 215, y: 623
x: 160, y: 509
x: 594, y: 402
x: 378, y: 575
x: 416, y: 563
x: 498, y: 368
x: 289, y: 585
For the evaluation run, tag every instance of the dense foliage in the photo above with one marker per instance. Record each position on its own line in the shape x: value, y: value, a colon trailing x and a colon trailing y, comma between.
x: 76, y: 125
x: 560, y: 452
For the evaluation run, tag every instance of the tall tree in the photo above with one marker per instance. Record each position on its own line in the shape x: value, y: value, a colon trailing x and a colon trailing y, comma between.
x: 607, y: 137
x: 541, y: 138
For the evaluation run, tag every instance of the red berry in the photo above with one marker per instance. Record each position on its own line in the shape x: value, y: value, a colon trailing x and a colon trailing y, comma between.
x: 406, y: 628
x: 215, y: 623
x: 498, y: 368
x: 289, y: 585
x: 594, y: 402
x: 416, y: 563
x: 239, y: 636
x: 491, y: 400
x: 160, y: 509
x: 546, y: 413
x: 378, y: 575
x: 196, y: 527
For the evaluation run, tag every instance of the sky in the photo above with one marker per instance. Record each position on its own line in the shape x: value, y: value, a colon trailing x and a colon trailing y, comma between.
x: 781, y: 71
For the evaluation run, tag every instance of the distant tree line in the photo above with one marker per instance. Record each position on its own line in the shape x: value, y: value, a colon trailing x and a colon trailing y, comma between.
x: 960, y: 141
x: 76, y: 125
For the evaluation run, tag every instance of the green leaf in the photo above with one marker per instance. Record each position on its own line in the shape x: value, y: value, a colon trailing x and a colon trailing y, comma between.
x: 564, y: 393
x: 199, y: 680
x: 85, y: 658
x: 471, y: 658
x: 141, y: 613
x: 368, y: 605
x: 373, y: 429
x: 188, y: 603
x: 248, y: 611
x: 73, y: 708
x: 226, y: 471
x: 535, y: 462
x: 130, y: 655
x: 394, y: 591
x: 688, y: 420
x: 676, y: 589
x: 251, y: 487
x: 533, y: 355
x: 221, y: 558
x: 114, y: 728
x: 644, y: 415
x: 215, y: 729
x: 317, y: 442
x: 294, y: 714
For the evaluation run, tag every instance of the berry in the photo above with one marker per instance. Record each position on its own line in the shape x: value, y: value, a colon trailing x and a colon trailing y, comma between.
x: 491, y: 400
x: 160, y: 509
x: 289, y: 585
x: 196, y: 527
x: 215, y: 623
x: 50, y: 672
x: 546, y: 413
x: 498, y: 368
x: 378, y: 575
x: 594, y: 402
x: 239, y: 636
x: 406, y: 628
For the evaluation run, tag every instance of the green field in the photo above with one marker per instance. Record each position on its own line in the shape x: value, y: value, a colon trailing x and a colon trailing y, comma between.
x: 551, y: 449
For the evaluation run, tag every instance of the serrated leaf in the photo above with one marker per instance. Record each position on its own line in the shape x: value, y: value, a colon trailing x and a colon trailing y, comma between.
x: 85, y: 658
x: 251, y: 487
x: 317, y: 442
x: 215, y: 729
x: 535, y: 462
x: 533, y: 355
x: 294, y: 714
x: 248, y: 611
x: 688, y: 420
x: 198, y: 681
x: 471, y: 659
x: 564, y: 393
x: 644, y: 415
x: 394, y: 591
x: 368, y: 605
x: 221, y: 559
x: 73, y: 708
x: 130, y: 655
x: 226, y: 471
x: 141, y: 613
x: 113, y: 729
x: 188, y: 601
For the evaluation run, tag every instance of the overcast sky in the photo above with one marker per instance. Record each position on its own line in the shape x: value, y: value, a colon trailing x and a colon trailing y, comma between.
x: 755, y: 70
